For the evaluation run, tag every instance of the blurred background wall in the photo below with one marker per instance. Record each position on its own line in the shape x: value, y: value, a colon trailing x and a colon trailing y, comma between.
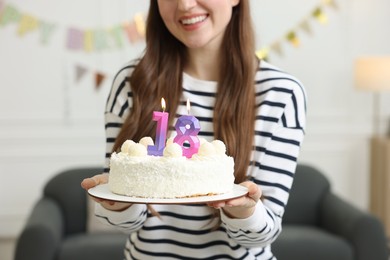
x: 54, y: 86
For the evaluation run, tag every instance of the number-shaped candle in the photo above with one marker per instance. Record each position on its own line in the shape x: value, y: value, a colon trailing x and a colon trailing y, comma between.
x: 161, y: 131
x: 187, y: 129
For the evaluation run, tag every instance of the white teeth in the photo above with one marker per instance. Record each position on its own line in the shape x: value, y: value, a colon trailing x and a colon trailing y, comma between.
x: 194, y: 20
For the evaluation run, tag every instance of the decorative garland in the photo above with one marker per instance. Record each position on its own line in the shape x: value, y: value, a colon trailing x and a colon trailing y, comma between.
x: 89, y: 40
x: 291, y: 36
x: 100, y: 39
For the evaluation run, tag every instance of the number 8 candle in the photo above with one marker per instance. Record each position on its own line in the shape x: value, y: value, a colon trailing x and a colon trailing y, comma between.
x: 161, y: 131
x: 187, y: 128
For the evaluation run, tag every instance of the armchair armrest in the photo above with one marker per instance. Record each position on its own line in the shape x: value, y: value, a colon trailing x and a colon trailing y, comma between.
x: 42, y: 233
x: 361, y: 229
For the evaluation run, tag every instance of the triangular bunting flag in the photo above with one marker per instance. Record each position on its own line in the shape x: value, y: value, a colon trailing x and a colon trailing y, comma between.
x: 331, y: 3
x: 101, y: 40
x: 80, y: 72
x: 99, y: 77
x: 27, y: 23
x: 88, y: 41
x: 277, y: 47
x: 75, y: 39
x: 293, y: 39
x: 140, y: 24
x: 46, y: 31
x: 8, y: 15
x: 116, y: 34
x: 305, y: 26
x: 263, y: 53
x: 132, y: 33
x: 1, y: 6
x: 320, y: 16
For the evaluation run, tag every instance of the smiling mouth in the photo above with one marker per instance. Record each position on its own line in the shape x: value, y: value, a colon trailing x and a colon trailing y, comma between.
x: 193, y: 20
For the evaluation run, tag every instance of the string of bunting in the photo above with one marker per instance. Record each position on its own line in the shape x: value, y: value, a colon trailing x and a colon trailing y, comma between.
x: 100, y: 39
x: 291, y: 36
x: 77, y: 39
x: 89, y: 40
x: 98, y: 77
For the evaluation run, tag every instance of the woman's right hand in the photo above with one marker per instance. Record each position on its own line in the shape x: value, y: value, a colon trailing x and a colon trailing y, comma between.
x: 107, y: 204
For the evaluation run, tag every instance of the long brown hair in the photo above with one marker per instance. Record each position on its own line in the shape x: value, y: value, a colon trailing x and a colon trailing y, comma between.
x: 159, y: 74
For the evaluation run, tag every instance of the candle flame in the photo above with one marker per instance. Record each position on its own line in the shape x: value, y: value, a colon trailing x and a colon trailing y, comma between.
x: 188, y: 106
x: 163, y: 106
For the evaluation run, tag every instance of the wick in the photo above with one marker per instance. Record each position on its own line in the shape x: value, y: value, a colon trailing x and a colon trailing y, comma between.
x: 188, y: 106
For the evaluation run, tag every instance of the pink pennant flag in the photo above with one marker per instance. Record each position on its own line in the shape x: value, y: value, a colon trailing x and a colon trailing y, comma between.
x: 75, y: 40
x: 80, y: 72
x: 1, y: 6
x: 132, y: 32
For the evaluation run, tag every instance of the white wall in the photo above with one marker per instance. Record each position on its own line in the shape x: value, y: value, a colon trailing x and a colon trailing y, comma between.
x: 49, y: 122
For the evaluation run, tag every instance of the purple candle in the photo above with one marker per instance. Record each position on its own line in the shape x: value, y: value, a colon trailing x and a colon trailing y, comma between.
x: 161, y: 131
x: 187, y: 129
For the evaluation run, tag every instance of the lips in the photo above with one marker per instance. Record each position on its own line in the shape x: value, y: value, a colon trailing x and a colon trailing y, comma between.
x: 193, y: 20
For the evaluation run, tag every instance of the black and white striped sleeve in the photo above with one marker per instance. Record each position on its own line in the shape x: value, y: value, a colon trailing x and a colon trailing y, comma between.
x: 281, y: 131
x: 117, y: 108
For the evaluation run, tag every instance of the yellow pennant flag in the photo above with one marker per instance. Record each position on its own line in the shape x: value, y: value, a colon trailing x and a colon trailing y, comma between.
x: 293, y: 39
x: 262, y: 54
x: 27, y: 23
x: 88, y: 41
x: 320, y: 16
x: 140, y: 24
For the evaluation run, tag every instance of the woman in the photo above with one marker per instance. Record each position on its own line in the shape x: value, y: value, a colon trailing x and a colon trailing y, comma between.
x: 203, y: 50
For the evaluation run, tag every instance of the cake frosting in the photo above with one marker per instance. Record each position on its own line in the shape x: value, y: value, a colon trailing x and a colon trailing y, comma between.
x: 135, y: 173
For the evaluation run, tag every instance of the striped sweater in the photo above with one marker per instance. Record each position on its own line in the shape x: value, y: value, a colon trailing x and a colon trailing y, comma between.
x: 186, y: 231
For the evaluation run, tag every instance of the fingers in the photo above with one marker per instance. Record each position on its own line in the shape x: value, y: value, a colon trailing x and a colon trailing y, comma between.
x: 254, y: 191
x: 94, y: 181
x: 88, y: 183
x: 250, y: 200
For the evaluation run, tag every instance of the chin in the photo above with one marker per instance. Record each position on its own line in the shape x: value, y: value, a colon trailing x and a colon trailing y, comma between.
x: 195, y: 44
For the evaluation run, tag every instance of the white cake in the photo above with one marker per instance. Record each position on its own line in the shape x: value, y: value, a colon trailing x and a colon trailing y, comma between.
x: 136, y: 174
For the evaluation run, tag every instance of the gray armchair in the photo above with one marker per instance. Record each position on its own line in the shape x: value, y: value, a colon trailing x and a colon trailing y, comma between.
x: 57, y: 226
x: 317, y: 225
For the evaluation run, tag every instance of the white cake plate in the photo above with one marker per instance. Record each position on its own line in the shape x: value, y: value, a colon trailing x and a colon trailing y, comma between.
x: 103, y: 192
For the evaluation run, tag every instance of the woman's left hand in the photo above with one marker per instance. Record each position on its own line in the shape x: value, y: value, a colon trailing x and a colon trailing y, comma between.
x: 242, y: 207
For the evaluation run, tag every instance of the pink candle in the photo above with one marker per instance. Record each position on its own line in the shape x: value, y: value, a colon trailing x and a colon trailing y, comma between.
x: 187, y: 129
x: 161, y: 131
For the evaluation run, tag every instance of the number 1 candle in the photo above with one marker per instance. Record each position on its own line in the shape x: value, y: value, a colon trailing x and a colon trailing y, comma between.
x: 161, y: 131
x: 187, y: 129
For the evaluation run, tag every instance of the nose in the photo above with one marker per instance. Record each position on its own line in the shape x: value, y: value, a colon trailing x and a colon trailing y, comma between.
x: 185, y: 5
